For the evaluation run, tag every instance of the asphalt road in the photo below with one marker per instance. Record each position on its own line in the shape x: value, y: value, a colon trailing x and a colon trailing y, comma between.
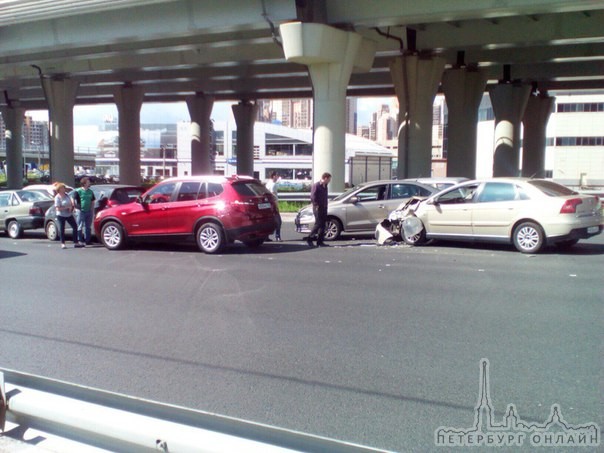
x: 374, y: 345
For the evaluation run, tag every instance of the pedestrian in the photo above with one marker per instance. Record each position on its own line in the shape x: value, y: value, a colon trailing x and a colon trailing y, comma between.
x: 64, y: 209
x: 85, y: 204
x: 319, y: 200
x: 271, y: 185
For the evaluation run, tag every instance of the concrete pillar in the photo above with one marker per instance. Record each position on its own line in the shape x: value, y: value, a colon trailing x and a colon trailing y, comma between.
x: 60, y: 95
x: 245, y: 116
x: 416, y: 82
x: 200, y: 109
x: 537, y: 112
x: 129, y: 100
x: 509, y: 101
x: 13, y: 124
x: 463, y: 88
x: 331, y: 56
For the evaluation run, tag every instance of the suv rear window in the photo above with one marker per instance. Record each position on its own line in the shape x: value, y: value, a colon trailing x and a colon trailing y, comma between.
x: 551, y: 188
x: 250, y: 189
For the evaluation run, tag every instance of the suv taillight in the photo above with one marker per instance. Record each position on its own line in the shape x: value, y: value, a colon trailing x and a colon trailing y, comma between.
x: 570, y: 206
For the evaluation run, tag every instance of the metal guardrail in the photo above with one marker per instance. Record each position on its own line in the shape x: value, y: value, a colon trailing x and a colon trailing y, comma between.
x: 302, y: 196
x: 121, y: 423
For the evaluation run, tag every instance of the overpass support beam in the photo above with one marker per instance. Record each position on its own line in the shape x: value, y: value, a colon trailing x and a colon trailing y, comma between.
x: 60, y: 95
x: 331, y: 55
x: 463, y: 88
x: 509, y: 101
x: 416, y: 82
x: 200, y: 109
x: 245, y: 116
x: 536, y: 115
x: 13, y: 123
x: 129, y: 100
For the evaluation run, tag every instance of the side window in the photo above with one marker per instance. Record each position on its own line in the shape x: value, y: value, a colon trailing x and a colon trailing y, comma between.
x: 188, y: 191
x: 202, y: 192
x: 497, y: 191
x: 373, y: 193
x: 463, y: 194
x: 521, y: 194
x: 408, y: 190
x: 214, y: 189
x: 4, y: 199
x: 161, y: 193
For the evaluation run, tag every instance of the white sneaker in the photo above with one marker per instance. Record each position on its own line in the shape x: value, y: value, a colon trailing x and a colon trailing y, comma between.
x: 63, y: 246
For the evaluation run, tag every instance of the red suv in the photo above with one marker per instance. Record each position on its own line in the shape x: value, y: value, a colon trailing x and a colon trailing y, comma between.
x: 215, y: 210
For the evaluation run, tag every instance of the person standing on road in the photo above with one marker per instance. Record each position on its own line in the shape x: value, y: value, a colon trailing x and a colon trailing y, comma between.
x: 319, y: 200
x: 64, y: 208
x: 85, y: 202
x: 271, y: 185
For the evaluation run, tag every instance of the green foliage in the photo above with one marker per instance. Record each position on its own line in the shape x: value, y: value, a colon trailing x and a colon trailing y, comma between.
x: 291, y: 206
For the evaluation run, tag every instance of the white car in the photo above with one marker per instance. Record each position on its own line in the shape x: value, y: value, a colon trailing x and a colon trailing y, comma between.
x: 46, y: 188
x: 528, y: 213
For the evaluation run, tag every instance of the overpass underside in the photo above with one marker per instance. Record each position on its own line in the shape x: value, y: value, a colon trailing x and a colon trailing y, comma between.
x: 55, y: 55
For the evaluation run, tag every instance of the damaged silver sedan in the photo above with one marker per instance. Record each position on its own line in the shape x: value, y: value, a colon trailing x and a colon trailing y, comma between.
x: 528, y: 213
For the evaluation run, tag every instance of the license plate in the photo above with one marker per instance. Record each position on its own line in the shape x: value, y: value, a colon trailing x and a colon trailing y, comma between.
x: 593, y: 229
x: 264, y: 205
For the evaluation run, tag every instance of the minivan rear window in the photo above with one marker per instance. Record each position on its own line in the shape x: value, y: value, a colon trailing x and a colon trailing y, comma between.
x: 250, y: 189
x: 552, y: 189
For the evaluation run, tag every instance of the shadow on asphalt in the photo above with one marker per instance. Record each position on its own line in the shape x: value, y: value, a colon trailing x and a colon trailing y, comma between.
x: 583, y: 248
x: 7, y: 254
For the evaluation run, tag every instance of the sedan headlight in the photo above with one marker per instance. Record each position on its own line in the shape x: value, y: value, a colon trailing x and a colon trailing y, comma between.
x: 305, y: 215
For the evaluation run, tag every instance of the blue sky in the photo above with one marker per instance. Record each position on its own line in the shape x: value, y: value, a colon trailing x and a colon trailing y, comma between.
x: 175, y: 112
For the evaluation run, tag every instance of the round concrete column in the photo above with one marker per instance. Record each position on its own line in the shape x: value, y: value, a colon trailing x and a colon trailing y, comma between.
x: 200, y: 109
x: 463, y: 90
x: 536, y: 115
x: 129, y: 100
x: 509, y: 101
x: 13, y: 124
x: 331, y: 56
x: 60, y: 95
x: 416, y: 82
x: 245, y: 116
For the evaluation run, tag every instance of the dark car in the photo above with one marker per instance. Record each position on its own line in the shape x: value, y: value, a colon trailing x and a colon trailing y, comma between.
x: 213, y: 210
x: 22, y: 210
x: 106, y: 196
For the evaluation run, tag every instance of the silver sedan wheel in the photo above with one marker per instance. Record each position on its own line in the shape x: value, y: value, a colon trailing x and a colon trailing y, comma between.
x: 333, y: 229
x: 528, y: 237
x: 14, y: 229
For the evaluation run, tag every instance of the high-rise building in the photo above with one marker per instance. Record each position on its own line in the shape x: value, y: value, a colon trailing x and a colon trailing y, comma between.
x: 296, y: 113
x: 385, y: 125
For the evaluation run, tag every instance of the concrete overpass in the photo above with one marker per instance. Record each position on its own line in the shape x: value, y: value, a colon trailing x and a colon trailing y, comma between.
x: 58, y: 53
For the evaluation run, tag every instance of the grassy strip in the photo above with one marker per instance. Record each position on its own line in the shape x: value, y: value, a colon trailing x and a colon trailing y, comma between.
x: 291, y: 206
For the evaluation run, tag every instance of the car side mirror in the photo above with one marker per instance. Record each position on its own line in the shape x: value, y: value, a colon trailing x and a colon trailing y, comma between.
x: 354, y: 200
x: 141, y: 200
x: 434, y: 202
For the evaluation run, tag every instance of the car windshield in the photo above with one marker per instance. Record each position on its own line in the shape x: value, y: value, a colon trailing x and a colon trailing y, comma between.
x: 33, y: 195
x: 551, y: 188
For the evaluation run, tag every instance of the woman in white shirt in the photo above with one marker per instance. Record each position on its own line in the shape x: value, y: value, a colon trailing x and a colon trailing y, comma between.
x: 64, y: 207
